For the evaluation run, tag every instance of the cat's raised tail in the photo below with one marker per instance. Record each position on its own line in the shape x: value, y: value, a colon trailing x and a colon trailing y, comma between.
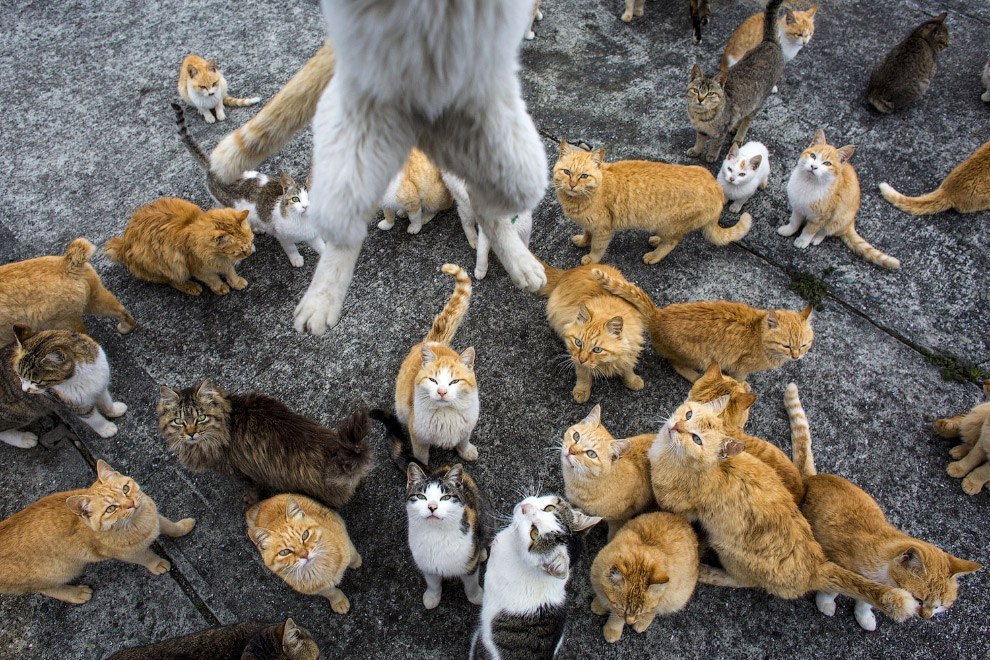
x: 553, y: 278
x: 197, y: 151
x: 286, y: 114
x: 449, y: 319
x: 629, y: 292
x: 77, y: 256
x: 770, y: 21
x: 860, y: 246
x: 801, y: 454
x: 719, y: 235
x: 934, y: 202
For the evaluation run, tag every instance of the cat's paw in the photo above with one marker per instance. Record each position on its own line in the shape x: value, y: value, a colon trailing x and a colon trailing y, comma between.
x: 638, y: 12
x: 539, y: 15
x: 125, y: 327
x: 972, y: 486
x: 581, y: 394
x: 947, y: 428
x: 651, y: 258
x: 340, y: 605
x: 817, y: 240
x: 191, y: 288
x: 898, y: 604
x: 525, y: 271
x: 185, y: 526
x: 107, y: 430
x: 431, y: 599
x: 220, y: 289
x: 385, y: 225
x: 238, y: 282
x: 20, y: 439
x: 597, y: 607
x: 654, y: 241
x: 959, y: 451
x: 469, y: 453
x: 711, y: 156
x: 297, y: 261
x: 612, y: 633
x: 627, y: 16
x: 78, y: 594
x: 735, y: 207
x: 985, y: 96
x: 957, y: 469
x: 414, y: 229
x: 787, y: 230
x: 159, y: 566
x: 480, y: 273
x: 476, y: 597
x: 634, y: 383
x: 866, y: 619
x: 694, y: 152
x: 209, y: 117
x: 825, y: 603
x: 356, y: 562
x: 580, y: 240
x: 530, y: 35
x: 802, y: 241
x: 117, y: 409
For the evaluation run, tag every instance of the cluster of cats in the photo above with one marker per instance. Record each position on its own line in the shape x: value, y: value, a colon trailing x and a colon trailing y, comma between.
x: 698, y: 483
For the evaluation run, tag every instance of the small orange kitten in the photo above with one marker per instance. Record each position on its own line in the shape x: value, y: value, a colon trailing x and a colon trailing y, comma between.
x: 418, y: 192
x: 305, y: 544
x: 203, y: 86
x: 971, y: 464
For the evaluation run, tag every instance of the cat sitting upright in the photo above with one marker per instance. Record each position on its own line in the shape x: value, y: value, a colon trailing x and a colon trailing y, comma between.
x: 203, y: 86
x: 906, y: 72
x: 744, y: 170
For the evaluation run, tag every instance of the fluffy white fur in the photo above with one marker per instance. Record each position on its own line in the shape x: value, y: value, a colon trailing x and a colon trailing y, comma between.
x: 211, y: 99
x: 296, y: 226
x: 440, y: 548
x: 444, y: 412
x: 445, y: 80
x: 475, y: 233
x: 744, y: 170
x: 808, y: 184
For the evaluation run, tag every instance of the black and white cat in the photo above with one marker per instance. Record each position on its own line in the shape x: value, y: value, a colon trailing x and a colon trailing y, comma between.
x: 525, y: 604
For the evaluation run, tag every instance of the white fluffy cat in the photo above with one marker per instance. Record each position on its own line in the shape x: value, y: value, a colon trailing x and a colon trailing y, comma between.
x: 475, y: 233
x: 744, y: 170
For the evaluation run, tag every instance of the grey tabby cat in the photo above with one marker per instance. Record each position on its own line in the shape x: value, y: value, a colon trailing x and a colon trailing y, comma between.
x: 246, y: 641
x: 905, y: 74
x: 18, y: 408
x: 731, y: 98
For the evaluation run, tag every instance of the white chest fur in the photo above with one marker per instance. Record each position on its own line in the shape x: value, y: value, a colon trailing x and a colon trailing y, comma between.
x: 445, y: 425
x: 88, y: 382
x: 439, y: 547
x: 804, y: 190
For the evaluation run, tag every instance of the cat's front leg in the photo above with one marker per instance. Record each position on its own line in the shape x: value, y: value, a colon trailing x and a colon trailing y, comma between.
x: 175, y: 529
x: 207, y: 115
x: 961, y: 450
x: 481, y: 260
x: 948, y: 427
x: 742, y: 129
x: 737, y: 205
x: 599, y: 605
x: 388, y: 220
x: 985, y: 96
x: 74, y: 594
x: 864, y: 615
x: 292, y: 252
x: 149, y: 560
x: 599, y: 243
x: 108, y: 407
x: 582, y: 390
x: 612, y: 630
x: 632, y: 381
x: 420, y: 450
x: 699, y: 145
x: 966, y: 464
x: 806, y: 237
x: 317, y: 244
x: 644, y: 622
x: 466, y: 450
x: 21, y: 439
x: 415, y: 221
x: 825, y: 601
x: 714, y: 148
x: 434, y: 587
x: 792, y: 226
x: 973, y: 482
x: 583, y: 239
x: 98, y: 423
x: 221, y: 114
x: 338, y: 601
x: 234, y: 279
x: 472, y: 589
x: 627, y: 15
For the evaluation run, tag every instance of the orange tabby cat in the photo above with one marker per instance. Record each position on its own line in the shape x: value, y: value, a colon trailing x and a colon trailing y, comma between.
x: 690, y: 336
x: 649, y: 568
x: 202, y: 85
x: 966, y: 189
x: 971, y: 464
x: 53, y: 293
x: 49, y: 543
x: 606, y: 476
x: 794, y: 30
x: 171, y: 241
x: 855, y: 534
x: 305, y: 544
x: 669, y: 200
x: 602, y: 333
x: 751, y: 519
x: 417, y: 192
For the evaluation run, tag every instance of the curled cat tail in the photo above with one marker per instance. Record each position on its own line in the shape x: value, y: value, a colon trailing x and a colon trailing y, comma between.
x: 896, y: 603
x: 197, y: 151
x: 234, y: 102
x: 629, y: 292
x: 286, y: 114
x: 802, y: 457
x: 719, y: 235
x: 447, y: 321
x: 934, y: 202
x: 116, y: 249
x: 77, y: 256
x: 553, y: 278
x: 770, y: 21
x: 859, y: 245
x: 401, y: 451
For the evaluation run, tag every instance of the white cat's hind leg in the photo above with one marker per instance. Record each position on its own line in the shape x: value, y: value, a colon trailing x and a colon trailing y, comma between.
x: 108, y: 407
x: 472, y: 589
x: 98, y: 423
x: 826, y: 602
x: 21, y: 439
x: 864, y: 615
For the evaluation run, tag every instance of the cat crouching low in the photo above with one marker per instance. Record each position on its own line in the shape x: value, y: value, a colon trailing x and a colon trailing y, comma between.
x: 249, y: 641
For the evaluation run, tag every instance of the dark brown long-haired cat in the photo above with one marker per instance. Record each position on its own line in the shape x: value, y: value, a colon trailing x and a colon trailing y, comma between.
x: 904, y: 75
x: 251, y: 641
x: 259, y: 438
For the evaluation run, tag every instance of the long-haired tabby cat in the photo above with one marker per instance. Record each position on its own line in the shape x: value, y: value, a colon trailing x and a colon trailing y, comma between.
x: 171, y: 241
x: 275, y: 206
x: 606, y: 476
x: 971, y: 464
x: 729, y: 100
x: 48, y: 293
x: 203, y: 86
x: 794, y: 30
x: 48, y: 544
x: 751, y: 519
x: 741, y: 339
x: 966, y: 189
x: 258, y: 438
x: 650, y: 567
x: 855, y: 534
x: 250, y: 641
x: 305, y: 544
x: 905, y: 74
x: 670, y: 201
x: 436, y: 391
x: 71, y: 368
x: 417, y: 192
x: 823, y: 192
x: 524, y: 610
x: 602, y: 333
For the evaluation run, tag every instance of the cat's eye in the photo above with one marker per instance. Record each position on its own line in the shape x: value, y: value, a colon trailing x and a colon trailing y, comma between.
x: 583, y: 176
x: 591, y: 453
x: 455, y: 381
x: 812, y: 156
x: 285, y: 553
x: 534, y: 533
x: 827, y: 163
x: 742, y: 174
x: 596, y: 349
x: 201, y: 418
x: 689, y: 415
x: 575, y: 436
x: 567, y: 172
x: 696, y: 438
x: 295, y: 199
x: 804, y: 345
x: 126, y: 489
x: 433, y: 380
x: 549, y: 508
x: 444, y: 498
x: 111, y: 508
x: 305, y: 535
x: 177, y: 421
x: 419, y: 496
x: 578, y: 342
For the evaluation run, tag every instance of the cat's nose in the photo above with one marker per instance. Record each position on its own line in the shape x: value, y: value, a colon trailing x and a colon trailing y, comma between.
x: 573, y: 450
x: 794, y: 354
x: 304, y: 554
x: 677, y: 427
x: 431, y: 506
x: 442, y: 392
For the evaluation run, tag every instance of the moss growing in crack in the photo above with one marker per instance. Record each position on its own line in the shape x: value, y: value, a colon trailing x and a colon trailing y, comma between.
x: 811, y: 288
x: 953, y: 369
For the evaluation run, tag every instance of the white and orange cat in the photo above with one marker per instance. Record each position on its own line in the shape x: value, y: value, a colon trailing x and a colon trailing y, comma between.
x: 745, y: 170
x: 417, y: 192
x: 202, y: 86
x: 794, y: 31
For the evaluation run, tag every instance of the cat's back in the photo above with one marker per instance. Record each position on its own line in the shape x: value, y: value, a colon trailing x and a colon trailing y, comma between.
x: 638, y: 178
x: 223, y: 643
x: 264, y: 429
x: 970, y: 179
x: 836, y: 508
x: 33, y: 529
x: 772, y: 455
x: 578, y: 286
x: 168, y: 214
x: 669, y: 533
x: 744, y: 39
x: 714, y: 316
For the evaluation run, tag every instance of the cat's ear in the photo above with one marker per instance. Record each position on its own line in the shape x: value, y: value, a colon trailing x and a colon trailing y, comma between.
x: 292, y: 637
x: 772, y: 322
x: 807, y: 313
x: 22, y: 333
x: 594, y: 418
x: 910, y: 559
x: 221, y: 239
x: 243, y: 217
x: 414, y: 475
x: 713, y: 370
x: 292, y: 510
x: 960, y: 566
x: 212, y: 64
x: 619, y: 448
x: 106, y: 473
x: 718, y: 405
x: 696, y: 73
x: 427, y: 354
x: 616, y: 577
x: 615, y: 325
x: 598, y: 155
x: 789, y: 17
x: 819, y: 138
x: 81, y: 505
x: 467, y: 357
x: 658, y: 581
x: 745, y: 400
x: 846, y: 152
x: 754, y: 162
x: 941, y: 17
x: 286, y: 182
x: 168, y: 395
x: 812, y: 10
x: 583, y: 521
x: 656, y: 589
x: 260, y: 537
x: 192, y: 71
x: 722, y: 77
x: 565, y: 147
x: 733, y: 151
x: 55, y: 357
x: 208, y: 390
x: 455, y: 475
x: 731, y: 448
x: 556, y: 563
x: 583, y: 315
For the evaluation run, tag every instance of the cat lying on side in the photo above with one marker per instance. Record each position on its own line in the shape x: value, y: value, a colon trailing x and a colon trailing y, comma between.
x: 971, y: 464
x: 252, y: 641
x: 966, y: 189
x: 203, y: 86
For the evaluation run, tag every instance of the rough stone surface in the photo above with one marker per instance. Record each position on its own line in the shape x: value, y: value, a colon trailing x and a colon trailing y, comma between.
x: 88, y: 137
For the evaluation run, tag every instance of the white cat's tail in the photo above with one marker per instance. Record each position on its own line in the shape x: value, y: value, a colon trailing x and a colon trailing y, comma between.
x: 719, y: 235
x: 234, y: 102
x: 271, y: 129
x: 449, y: 319
x: 77, y: 256
x: 934, y: 202
x: 859, y: 245
x: 801, y: 454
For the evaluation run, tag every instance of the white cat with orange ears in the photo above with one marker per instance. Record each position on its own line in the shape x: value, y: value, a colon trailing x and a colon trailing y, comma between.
x: 744, y: 170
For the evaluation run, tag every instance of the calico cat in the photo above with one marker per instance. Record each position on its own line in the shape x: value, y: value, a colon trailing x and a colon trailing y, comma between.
x: 750, y: 518
x: 855, y: 534
x: 72, y: 369
x: 436, y: 391
x: 905, y: 74
x: 606, y: 476
x: 259, y: 439
x: 251, y: 641
x: 203, y: 86
x: 966, y: 189
x: 744, y: 170
x: 794, y: 30
x: 741, y: 339
x: 823, y: 192
x: 602, y: 333
x: 53, y: 293
x: 171, y: 241
x: 728, y: 101
x: 971, y: 464
x: 275, y: 206
x: 305, y: 544
x: 49, y: 543
x: 475, y: 233
x: 418, y: 192
x: 669, y: 200
x: 524, y: 610
x: 650, y: 567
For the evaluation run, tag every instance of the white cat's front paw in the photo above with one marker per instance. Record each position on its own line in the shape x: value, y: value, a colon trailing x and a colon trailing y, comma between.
x: 297, y: 260
x: 431, y: 599
x: 985, y: 96
x: 526, y: 272
x: 385, y: 224
x: 209, y: 118
x: 117, y: 409
x: 735, y: 207
x: 479, y: 273
x: 414, y: 229
x: 825, y: 603
x: 469, y: 453
x: 803, y: 241
x: 530, y: 35
x: 787, y: 230
x: 20, y: 439
x: 318, y: 311
x: 476, y: 597
x: 106, y: 430
x: 865, y: 617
